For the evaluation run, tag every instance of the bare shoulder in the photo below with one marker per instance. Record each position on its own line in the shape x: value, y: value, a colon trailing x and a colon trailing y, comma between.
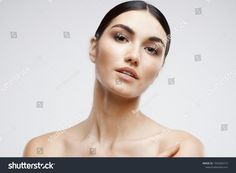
x: 54, y: 144
x: 189, y: 145
x: 45, y: 145
x: 167, y: 139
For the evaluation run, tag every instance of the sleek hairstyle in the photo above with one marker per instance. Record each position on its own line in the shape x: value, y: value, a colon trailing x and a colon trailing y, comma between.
x: 135, y: 5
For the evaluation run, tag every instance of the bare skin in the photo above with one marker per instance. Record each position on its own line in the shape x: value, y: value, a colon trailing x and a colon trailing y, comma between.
x: 115, y: 125
x: 166, y: 143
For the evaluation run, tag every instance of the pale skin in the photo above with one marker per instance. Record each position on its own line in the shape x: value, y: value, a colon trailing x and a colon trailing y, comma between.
x: 115, y: 125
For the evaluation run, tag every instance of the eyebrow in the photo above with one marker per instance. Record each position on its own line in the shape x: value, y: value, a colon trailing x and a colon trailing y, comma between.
x: 131, y: 31
x: 128, y: 29
x: 156, y: 39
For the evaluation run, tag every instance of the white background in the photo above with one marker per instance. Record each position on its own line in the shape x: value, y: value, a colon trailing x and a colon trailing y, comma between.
x: 41, y: 65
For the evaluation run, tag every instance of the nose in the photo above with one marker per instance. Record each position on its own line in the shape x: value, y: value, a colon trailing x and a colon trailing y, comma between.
x: 133, y: 57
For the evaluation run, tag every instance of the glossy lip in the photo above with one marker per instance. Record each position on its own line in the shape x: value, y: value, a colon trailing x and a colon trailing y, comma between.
x: 129, y: 70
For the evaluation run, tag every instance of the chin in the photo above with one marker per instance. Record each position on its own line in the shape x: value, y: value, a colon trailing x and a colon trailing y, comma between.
x: 124, y: 91
x: 120, y: 89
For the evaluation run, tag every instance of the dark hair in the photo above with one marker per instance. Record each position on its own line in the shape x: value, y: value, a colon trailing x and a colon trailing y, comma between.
x: 134, y: 5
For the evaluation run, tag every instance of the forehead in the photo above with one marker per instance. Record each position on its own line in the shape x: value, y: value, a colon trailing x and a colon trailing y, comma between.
x: 142, y: 22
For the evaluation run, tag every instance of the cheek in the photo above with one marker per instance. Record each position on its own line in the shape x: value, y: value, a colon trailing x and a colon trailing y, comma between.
x: 107, y: 59
x: 151, y: 69
x: 109, y: 53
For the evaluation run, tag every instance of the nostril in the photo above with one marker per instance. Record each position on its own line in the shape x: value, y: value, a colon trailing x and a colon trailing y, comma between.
x: 132, y: 60
x: 129, y: 60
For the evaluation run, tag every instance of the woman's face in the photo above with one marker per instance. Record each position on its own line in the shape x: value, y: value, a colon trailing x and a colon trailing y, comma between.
x: 129, y: 54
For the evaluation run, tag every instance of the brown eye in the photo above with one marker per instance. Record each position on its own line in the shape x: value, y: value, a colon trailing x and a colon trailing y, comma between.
x: 120, y: 38
x: 151, y: 50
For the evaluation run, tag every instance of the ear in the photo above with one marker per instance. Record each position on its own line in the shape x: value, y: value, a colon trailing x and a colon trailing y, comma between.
x: 93, y: 49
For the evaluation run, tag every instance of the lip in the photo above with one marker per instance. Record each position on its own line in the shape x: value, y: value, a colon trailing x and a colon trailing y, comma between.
x: 129, y: 70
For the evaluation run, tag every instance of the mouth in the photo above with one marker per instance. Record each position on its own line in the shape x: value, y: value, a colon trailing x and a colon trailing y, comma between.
x: 128, y: 71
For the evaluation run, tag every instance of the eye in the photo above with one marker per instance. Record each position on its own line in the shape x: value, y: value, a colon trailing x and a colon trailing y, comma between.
x: 120, y: 38
x: 151, y: 50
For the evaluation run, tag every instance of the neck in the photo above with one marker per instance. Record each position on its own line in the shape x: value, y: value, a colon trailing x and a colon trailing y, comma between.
x: 112, y: 116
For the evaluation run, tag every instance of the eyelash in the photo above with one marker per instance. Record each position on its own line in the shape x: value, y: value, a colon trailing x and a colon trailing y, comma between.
x: 119, y: 37
x: 151, y: 50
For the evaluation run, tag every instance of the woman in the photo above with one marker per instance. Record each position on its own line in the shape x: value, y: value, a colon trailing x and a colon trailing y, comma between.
x: 128, y: 50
